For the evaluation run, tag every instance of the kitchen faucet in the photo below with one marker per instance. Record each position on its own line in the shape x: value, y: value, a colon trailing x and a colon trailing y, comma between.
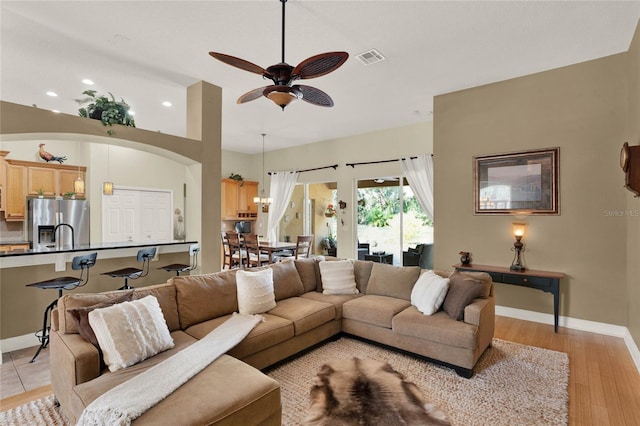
x: 73, y: 238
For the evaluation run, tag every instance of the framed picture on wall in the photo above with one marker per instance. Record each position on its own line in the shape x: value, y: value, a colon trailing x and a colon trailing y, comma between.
x: 517, y: 183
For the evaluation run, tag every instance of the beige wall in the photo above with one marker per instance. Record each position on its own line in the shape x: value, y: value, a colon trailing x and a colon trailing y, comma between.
x: 581, y: 109
x: 633, y: 204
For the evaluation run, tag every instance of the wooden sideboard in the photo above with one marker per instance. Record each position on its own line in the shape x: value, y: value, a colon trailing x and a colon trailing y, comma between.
x: 546, y: 281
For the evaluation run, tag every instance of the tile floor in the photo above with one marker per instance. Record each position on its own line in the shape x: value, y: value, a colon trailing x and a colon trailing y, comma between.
x: 18, y: 375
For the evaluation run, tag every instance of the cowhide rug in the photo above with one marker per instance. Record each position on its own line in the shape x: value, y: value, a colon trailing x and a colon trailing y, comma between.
x: 367, y: 392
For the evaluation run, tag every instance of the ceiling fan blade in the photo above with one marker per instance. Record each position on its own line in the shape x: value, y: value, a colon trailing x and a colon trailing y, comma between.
x: 314, y: 96
x: 252, y: 95
x: 239, y: 63
x: 319, y: 65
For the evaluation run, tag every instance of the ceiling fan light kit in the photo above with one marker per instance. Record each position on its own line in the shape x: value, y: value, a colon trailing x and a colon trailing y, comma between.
x: 282, y: 92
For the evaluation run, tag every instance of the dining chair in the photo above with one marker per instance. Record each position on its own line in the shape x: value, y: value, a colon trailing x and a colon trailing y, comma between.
x: 238, y: 252
x: 303, y: 246
x: 254, y: 256
x: 226, y: 252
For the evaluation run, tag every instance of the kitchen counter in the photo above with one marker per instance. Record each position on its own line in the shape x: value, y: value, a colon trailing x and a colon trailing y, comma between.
x: 50, y: 255
x: 21, y: 307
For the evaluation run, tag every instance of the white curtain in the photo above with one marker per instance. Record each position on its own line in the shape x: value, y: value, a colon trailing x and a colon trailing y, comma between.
x: 419, y: 173
x: 282, y: 185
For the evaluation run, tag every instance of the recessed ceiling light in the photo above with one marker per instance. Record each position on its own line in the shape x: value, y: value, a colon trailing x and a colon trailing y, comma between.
x: 88, y: 82
x: 166, y: 103
x: 56, y: 111
x: 52, y: 94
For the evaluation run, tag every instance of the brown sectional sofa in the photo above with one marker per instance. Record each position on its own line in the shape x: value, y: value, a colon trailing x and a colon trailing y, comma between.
x: 232, y: 390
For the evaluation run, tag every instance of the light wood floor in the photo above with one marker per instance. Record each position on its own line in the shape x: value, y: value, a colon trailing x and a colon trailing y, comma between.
x: 604, y: 384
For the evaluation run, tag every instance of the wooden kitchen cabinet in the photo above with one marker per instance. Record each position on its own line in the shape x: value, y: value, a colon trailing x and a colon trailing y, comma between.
x: 16, y: 180
x: 3, y: 181
x: 246, y: 207
x: 53, y: 179
x: 237, y: 200
x: 41, y: 178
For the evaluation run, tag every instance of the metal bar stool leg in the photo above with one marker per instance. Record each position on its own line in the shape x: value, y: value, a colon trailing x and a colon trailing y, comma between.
x: 44, y: 338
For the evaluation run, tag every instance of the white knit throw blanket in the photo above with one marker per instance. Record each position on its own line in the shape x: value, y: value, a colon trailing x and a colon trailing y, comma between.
x: 129, y: 400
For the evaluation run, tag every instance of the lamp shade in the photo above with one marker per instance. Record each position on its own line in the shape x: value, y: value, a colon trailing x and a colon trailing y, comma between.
x: 107, y: 188
x: 518, y: 229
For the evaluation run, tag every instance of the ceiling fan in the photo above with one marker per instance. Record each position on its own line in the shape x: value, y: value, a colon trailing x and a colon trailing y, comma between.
x: 282, y: 92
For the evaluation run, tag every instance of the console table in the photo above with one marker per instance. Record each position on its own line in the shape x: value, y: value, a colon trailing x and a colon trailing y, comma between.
x: 546, y: 281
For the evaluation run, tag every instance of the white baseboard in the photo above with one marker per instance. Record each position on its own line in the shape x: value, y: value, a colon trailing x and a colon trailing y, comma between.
x: 19, y: 342
x: 577, y: 324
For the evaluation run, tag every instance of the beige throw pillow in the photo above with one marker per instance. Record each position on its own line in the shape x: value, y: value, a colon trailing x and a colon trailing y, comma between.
x: 130, y: 332
x: 338, y: 277
x: 429, y: 292
x: 255, y: 291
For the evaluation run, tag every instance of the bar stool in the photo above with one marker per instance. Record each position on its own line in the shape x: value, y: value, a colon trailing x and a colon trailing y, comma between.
x: 144, y: 256
x: 194, y: 249
x: 82, y: 263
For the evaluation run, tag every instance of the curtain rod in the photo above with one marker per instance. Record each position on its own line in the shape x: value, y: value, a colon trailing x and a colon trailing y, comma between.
x: 376, y: 162
x: 335, y: 166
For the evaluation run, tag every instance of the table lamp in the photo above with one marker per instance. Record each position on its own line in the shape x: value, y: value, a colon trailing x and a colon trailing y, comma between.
x: 518, y: 232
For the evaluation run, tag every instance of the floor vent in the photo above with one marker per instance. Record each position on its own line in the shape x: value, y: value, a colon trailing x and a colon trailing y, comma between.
x: 370, y: 57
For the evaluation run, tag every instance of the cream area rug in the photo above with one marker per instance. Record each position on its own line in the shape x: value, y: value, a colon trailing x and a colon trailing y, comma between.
x: 512, y: 384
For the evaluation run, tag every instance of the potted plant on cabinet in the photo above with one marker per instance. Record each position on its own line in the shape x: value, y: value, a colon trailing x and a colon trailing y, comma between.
x: 106, y: 109
x: 40, y: 192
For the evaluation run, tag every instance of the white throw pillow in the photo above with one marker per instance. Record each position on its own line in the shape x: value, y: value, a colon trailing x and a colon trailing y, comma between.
x: 255, y: 291
x: 130, y: 332
x: 338, y: 277
x: 429, y: 292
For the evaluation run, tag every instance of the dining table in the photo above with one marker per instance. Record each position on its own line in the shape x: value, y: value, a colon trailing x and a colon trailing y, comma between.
x: 272, y: 247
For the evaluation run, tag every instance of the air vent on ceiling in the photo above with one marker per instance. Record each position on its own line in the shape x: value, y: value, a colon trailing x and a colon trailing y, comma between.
x: 370, y: 57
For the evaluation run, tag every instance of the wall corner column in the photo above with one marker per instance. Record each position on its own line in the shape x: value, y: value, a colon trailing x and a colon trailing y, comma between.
x: 204, y: 123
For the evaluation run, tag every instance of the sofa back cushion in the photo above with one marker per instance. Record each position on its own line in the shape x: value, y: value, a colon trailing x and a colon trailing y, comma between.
x: 308, y: 271
x: 166, y: 295
x: 203, y: 297
x: 362, y: 270
x: 68, y: 323
x: 286, y: 280
x: 392, y: 281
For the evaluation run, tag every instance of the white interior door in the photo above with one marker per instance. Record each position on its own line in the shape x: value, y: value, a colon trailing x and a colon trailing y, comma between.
x: 137, y: 215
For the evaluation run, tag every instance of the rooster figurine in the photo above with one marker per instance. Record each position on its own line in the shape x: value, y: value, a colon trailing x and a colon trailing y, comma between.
x: 47, y: 156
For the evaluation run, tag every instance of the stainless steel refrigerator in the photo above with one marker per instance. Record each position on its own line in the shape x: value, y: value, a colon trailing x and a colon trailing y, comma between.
x: 60, y: 224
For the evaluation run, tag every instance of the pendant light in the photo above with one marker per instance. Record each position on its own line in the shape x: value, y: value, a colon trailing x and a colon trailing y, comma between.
x: 262, y: 199
x: 107, y: 187
x: 78, y: 184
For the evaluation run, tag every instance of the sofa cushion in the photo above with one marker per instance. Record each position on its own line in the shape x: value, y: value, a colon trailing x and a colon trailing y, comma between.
x: 338, y: 277
x: 202, y: 297
x: 462, y: 291
x: 308, y: 270
x: 374, y: 309
x: 166, y: 295
x: 439, y: 327
x: 306, y: 314
x: 255, y: 291
x: 393, y: 281
x: 337, y: 300
x: 67, y: 322
x: 362, y: 271
x: 130, y: 332
x: 482, y: 277
x: 270, y: 332
x: 286, y: 280
x: 429, y: 292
